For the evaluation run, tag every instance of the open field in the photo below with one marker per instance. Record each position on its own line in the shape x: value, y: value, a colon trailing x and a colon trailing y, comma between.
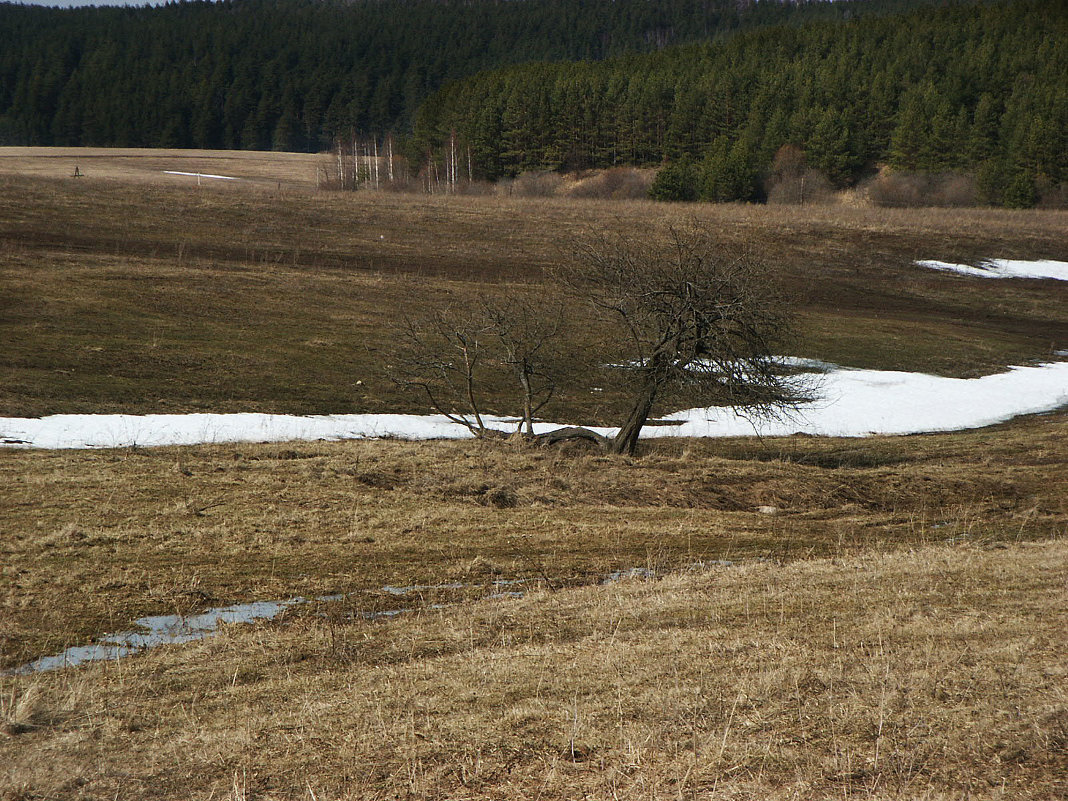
x: 892, y: 625
x: 253, y: 169
x: 94, y: 540
x: 140, y: 298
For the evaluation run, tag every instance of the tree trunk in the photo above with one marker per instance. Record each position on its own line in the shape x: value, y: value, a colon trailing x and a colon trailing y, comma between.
x: 626, y: 441
x: 528, y: 403
x: 570, y: 433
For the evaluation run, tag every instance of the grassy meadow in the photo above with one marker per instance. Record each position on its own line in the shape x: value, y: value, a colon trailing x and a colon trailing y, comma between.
x: 879, y: 617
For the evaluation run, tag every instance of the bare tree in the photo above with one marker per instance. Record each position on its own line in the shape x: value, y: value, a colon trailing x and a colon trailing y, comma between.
x: 689, y: 316
x: 459, y: 356
x: 677, y: 318
x: 441, y: 356
x: 524, y: 332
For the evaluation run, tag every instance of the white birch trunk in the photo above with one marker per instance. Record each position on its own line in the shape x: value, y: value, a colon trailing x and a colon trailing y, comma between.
x: 376, y: 162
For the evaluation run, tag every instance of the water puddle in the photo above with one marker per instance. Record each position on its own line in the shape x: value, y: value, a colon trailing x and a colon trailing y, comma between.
x: 157, y: 630
x: 415, y: 588
x: 632, y: 573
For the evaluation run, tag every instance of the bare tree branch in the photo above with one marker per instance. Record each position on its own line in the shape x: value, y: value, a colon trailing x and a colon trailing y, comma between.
x: 699, y: 318
x: 457, y: 356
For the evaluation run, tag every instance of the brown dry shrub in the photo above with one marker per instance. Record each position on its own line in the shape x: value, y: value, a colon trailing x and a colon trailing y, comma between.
x: 531, y: 184
x: 475, y: 188
x: 791, y: 181
x: 812, y: 186
x: 618, y: 183
x: 401, y: 185
x: 908, y: 190
x: 1051, y: 195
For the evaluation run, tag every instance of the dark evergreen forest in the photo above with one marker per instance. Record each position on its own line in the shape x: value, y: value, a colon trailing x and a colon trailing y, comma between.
x: 722, y: 92
x: 975, y: 87
x: 295, y: 74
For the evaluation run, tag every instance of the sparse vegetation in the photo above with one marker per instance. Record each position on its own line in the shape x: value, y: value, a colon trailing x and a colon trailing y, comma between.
x: 891, y: 624
x: 685, y: 315
x: 456, y: 359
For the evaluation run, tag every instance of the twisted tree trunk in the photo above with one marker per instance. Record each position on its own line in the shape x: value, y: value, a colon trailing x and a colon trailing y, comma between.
x: 626, y: 441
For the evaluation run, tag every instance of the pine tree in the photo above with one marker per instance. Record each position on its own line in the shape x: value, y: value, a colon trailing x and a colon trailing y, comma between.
x: 675, y: 181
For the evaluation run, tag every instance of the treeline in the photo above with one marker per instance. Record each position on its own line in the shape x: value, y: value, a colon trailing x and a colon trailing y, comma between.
x: 967, y: 87
x: 296, y: 74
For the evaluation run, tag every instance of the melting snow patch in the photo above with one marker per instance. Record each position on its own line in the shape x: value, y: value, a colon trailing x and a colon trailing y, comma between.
x: 850, y: 403
x: 412, y: 588
x: 633, y: 573
x: 202, y: 175
x: 857, y: 403
x: 1004, y: 268
x: 159, y: 630
x: 154, y: 430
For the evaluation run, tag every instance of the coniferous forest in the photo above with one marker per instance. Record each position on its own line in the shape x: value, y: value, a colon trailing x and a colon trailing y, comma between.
x: 722, y: 92
x: 982, y: 88
x: 293, y: 74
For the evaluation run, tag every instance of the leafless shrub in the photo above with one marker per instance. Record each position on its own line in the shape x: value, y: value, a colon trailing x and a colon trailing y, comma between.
x: 402, y: 185
x: 907, y: 190
x: 689, y: 315
x: 1051, y: 195
x: 811, y: 186
x: 475, y: 188
x: 618, y: 183
x: 534, y: 184
x: 792, y: 182
x: 458, y: 355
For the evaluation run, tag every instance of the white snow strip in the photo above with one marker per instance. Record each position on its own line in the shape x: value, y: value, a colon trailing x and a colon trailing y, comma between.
x: 1004, y: 268
x: 851, y: 403
x: 857, y: 403
x: 202, y: 175
x: 64, y: 431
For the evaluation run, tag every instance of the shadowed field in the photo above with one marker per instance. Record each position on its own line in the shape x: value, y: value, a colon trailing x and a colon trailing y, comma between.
x: 120, y: 296
x: 891, y: 624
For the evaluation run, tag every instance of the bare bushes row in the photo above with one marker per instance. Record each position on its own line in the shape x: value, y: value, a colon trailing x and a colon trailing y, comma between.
x: 910, y: 189
x: 617, y: 183
x: 789, y: 182
x: 956, y: 190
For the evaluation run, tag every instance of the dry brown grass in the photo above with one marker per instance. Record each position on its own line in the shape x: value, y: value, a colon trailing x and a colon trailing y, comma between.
x: 146, y: 166
x: 139, y: 297
x: 93, y: 540
x: 936, y: 673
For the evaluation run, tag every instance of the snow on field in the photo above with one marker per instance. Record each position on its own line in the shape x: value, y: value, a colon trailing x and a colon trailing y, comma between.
x: 850, y: 403
x: 202, y: 175
x: 150, y: 430
x: 1004, y: 268
x: 857, y: 403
